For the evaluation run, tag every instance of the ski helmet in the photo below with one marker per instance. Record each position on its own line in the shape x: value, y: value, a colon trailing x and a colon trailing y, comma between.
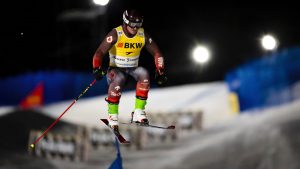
x: 133, y: 18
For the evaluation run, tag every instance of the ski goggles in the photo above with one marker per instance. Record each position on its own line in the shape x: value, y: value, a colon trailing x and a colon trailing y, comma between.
x: 134, y: 24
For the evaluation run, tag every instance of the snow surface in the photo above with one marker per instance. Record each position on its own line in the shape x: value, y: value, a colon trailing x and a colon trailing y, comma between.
x: 261, y: 139
x: 210, y: 98
x: 266, y: 139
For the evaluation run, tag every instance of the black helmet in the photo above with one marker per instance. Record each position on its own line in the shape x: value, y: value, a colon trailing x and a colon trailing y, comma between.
x: 133, y: 18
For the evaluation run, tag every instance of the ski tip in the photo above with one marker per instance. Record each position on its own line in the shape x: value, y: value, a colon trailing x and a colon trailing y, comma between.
x: 171, y: 127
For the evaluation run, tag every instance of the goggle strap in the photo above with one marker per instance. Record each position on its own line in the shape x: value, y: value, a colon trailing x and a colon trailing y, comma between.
x: 125, y: 19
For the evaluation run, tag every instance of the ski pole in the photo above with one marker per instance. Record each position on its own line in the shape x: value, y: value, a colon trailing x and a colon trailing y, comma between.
x: 45, y: 132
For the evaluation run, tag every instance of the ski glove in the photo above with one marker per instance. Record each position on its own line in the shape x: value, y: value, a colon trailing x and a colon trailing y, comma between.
x: 98, y: 73
x: 160, y: 77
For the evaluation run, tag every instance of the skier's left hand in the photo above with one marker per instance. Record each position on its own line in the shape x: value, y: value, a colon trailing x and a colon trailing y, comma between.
x: 160, y: 77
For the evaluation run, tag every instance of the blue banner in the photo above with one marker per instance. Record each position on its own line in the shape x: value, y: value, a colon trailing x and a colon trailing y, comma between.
x: 58, y: 86
x: 266, y: 81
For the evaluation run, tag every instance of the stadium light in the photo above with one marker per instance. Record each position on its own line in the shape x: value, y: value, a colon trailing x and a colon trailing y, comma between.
x: 269, y: 42
x: 201, y: 54
x: 101, y: 2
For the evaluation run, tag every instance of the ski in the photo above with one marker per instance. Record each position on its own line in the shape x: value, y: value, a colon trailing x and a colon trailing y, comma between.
x: 121, y: 139
x: 149, y: 125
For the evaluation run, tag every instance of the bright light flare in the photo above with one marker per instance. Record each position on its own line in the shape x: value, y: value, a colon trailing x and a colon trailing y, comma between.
x: 101, y: 2
x: 269, y: 42
x: 201, y: 54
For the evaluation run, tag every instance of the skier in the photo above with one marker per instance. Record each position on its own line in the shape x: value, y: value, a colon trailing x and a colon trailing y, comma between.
x: 124, y: 44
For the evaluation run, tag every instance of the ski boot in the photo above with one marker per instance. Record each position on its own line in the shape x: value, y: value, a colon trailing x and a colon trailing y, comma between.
x: 113, y: 122
x: 139, y: 116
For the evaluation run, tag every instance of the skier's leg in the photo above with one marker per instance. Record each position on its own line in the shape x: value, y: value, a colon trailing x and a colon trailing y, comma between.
x: 116, y: 80
x: 142, y: 88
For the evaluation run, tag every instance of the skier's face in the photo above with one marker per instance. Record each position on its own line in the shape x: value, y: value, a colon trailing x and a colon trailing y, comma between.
x: 131, y: 30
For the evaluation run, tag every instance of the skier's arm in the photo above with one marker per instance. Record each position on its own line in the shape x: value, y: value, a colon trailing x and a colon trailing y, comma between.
x: 106, y: 44
x: 110, y: 39
x: 153, y: 49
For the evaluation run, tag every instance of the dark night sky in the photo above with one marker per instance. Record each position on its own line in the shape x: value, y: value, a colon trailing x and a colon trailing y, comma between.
x: 34, y: 38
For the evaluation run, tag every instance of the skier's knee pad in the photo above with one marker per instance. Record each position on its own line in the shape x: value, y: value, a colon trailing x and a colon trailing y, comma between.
x: 112, y: 100
x: 114, y: 94
x: 142, y: 88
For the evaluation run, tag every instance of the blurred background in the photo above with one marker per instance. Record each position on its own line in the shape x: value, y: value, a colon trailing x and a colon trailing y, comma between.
x: 232, y: 93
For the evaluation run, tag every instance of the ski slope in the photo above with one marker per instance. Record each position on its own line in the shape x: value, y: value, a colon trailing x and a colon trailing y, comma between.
x: 266, y: 139
x: 210, y: 98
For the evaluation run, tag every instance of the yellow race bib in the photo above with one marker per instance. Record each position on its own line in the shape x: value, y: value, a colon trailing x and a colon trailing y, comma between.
x: 126, y: 51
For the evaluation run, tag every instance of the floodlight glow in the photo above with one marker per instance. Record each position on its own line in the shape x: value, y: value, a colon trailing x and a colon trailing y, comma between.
x: 269, y: 42
x: 101, y: 2
x: 201, y: 54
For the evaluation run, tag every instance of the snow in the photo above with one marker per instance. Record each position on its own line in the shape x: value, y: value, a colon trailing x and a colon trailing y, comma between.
x: 261, y: 139
x: 210, y: 98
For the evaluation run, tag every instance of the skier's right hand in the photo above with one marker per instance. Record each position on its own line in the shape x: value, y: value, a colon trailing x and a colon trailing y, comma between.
x: 98, y: 73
